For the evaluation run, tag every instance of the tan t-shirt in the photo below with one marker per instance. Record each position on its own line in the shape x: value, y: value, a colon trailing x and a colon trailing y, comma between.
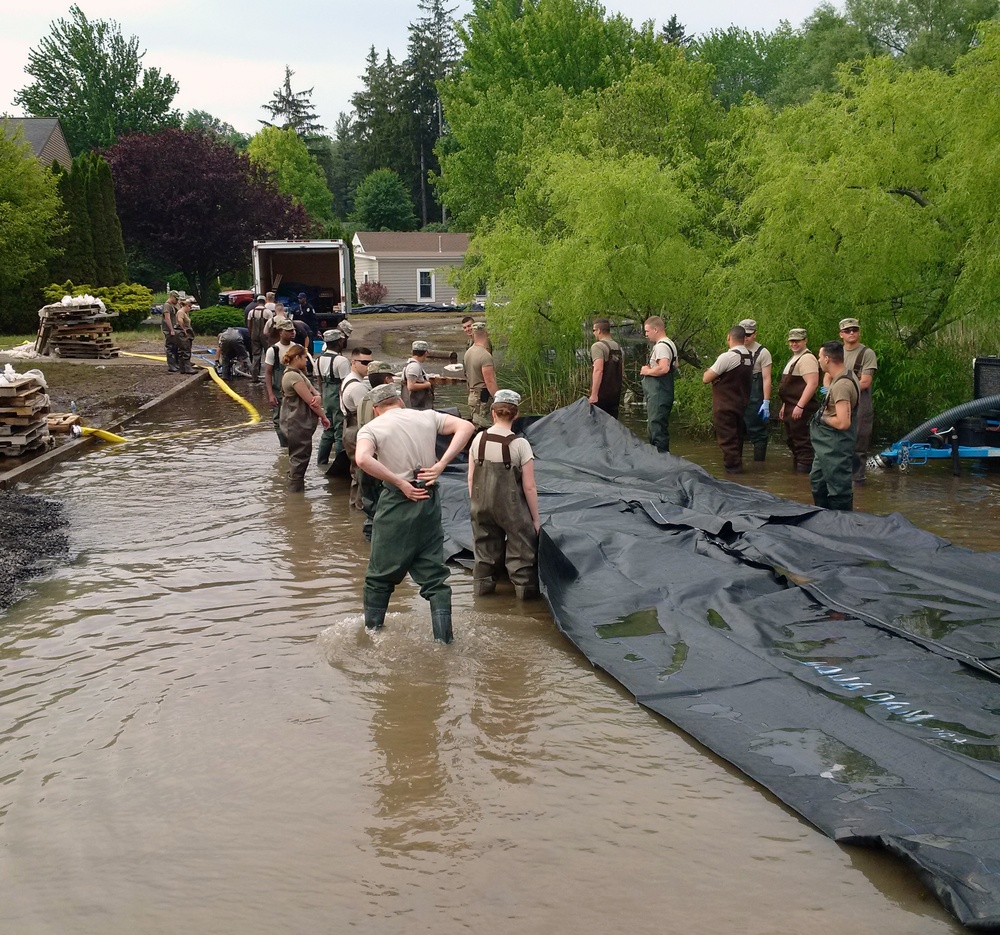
x: 869, y: 362
x: 601, y: 350
x: 520, y: 448
x: 840, y: 390
x: 404, y: 439
x: 763, y: 358
x: 803, y: 363
x: 477, y: 357
x: 288, y: 380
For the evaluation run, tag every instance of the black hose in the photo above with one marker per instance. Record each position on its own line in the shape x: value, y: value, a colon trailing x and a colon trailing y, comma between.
x: 951, y: 416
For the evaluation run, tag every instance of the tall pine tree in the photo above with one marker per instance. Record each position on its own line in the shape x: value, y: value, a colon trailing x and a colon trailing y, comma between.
x: 98, y: 220
x: 116, y: 245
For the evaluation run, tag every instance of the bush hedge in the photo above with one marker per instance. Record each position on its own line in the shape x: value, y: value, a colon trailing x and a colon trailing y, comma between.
x: 130, y: 300
x: 216, y: 318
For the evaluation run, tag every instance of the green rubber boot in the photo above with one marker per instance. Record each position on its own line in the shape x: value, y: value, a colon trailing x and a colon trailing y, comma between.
x: 441, y: 622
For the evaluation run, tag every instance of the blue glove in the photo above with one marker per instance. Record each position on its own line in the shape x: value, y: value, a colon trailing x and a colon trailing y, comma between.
x: 823, y: 390
x: 765, y: 410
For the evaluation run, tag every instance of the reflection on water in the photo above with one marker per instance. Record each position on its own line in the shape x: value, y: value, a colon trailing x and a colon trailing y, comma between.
x: 199, y: 736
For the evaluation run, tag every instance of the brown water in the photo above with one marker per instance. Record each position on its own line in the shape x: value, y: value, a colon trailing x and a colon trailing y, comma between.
x: 198, y: 736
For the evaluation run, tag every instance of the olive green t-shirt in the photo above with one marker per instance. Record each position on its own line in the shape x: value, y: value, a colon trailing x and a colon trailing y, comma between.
x: 477, y: 357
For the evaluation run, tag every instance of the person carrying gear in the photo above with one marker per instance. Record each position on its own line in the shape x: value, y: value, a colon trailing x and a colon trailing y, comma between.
x: 231, y: 354
x: 273, y: 369
x: 301, y: 409
x: 758, y: 410
x: 797, y: 391
x: 168, y: 325
x: 257, y: 320
x: 658, y: 382
x: 833, y: 432
x: 863, y: 363
x: 731, y: 377
x: 333, y: 366
x: 608, y: 371
x: 504, y: 503
x: 398, y: 448
x: 416, y: 390
x: 184, y: 336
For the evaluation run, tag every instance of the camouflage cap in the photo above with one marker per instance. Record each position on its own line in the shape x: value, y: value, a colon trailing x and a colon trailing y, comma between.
x: 379, y: 366
x: 479, y: 326
x: 420, y: 347
x: 507, y: 396
x: 749, y: 325
x: 334, y: 334
x: 383, y: 394
x: 846, y: 323
x: 797, y: 334
x: 284, y: 325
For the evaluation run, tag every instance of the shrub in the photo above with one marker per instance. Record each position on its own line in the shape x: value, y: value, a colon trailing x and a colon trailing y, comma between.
x: 371, y: 293
x: 216, y: 318
x: 130, y: 300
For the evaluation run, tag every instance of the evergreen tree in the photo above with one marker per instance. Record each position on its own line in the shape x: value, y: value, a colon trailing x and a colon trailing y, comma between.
x: 98, y: 220
x: 116, y: 246
x: 80, y: 262
x: 673, y: 33
x: 294, y: 110
x: 382, y: 127
x: 346, y: 170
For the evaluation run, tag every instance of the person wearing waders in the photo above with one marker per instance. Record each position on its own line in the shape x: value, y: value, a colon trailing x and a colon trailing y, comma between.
x: 863, y: 363
x: 398, y: 448
x: 658, y: 382
x: 504, y: 503
x: 480, y: 374
x: 369, y: 488
x: 273, y: 369
x: 257, y: 318
x: 797, y: 392
x: 353, y: 389
x: 731, y: 377
x: 833, y: 433
x: 301, y: 409
x: 168, y: 325
x: 758, y: 410
x: 608, y: 370
x: 184, y: 336
x: 333, y: 367
x: 417, y: 391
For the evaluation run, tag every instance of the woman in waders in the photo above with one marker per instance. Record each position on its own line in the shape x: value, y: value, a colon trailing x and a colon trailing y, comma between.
x: 504, y: 503
x: 797, y: 391
x: 833, y: 433
x: 301, y: 409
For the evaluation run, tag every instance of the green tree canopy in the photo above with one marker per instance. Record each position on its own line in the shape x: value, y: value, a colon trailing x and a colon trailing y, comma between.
x: 382, y: 202
x: 203, y: 120
x: 30, y: 211
x: 90, y: 76
x: 297, y: 175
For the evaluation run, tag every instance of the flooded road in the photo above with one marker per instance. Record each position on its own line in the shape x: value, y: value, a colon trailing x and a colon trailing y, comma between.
x: 198, y: 736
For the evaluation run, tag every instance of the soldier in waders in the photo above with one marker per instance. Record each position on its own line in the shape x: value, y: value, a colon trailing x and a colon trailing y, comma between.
x: 608, y: 371
x: 863, y: 363
x: 797, y: 391
x: 758, y: 410
x: 417, y: 390
x: 184, y: 336
x: 333, y: 368
x: 369, y: 488
x: 274, y: 367
x: 301, y: 409
x: 731, y: 377
x: 352, y: 390
x: 658, y: 382
x: 504, y: 503
x: 480, y: 374
x: 398, y: 448
x: 833, y: 433
x: 257, y: 318
x: 168, y: 325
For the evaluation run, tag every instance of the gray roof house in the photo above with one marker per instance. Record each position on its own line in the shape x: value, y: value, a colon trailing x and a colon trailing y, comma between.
x: 45, y: 136
x: 413, y: 266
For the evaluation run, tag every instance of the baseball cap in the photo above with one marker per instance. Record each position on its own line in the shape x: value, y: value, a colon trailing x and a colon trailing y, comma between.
x: 346, y: 328
x: 174, y: 293
x: 797, y: 334
x: 284, y: 325
x: 479, y: 326
x: 420, y: 346
x: 262, y: 298
x: 846, y: 323
x: 507, y: 396
x: 302, y: 295
x: 379, y: 366
x: 383, y: 393
x: 749, y: 325
x: 334, y: 334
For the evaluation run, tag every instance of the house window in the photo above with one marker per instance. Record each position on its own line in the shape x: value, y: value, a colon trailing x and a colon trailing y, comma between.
x: 425, y: 285
x: 366, y: 277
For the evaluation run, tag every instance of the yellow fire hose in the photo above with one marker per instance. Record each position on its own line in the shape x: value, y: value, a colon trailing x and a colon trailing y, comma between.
x: 228, y: 390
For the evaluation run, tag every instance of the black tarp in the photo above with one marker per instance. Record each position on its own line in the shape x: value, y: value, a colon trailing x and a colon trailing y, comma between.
x: 847, y: 662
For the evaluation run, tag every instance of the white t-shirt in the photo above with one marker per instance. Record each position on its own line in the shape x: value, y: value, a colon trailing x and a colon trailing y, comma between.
x: 340, y: 364
x: 414, y: 371
x: 664, y: 347
x: 763, y: 358
x: 405, y: 439
x: 520, y: 448
x: 269, y: 354
x: 352, y: 391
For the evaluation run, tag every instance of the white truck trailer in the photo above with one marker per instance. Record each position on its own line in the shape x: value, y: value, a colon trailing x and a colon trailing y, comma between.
x: 319, y: 268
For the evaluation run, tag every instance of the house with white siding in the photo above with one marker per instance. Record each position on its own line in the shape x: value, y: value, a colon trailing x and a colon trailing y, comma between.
x: 414, y: 267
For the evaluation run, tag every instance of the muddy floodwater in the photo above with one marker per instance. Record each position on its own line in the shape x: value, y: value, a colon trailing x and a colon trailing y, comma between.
x: 197, y: 735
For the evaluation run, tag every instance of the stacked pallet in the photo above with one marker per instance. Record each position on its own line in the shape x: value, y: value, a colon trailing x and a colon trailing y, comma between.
x: 24, y: 407
x: 76, y: 331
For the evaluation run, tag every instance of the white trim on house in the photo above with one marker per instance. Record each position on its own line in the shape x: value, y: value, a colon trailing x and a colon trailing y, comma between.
x: 430, y: 273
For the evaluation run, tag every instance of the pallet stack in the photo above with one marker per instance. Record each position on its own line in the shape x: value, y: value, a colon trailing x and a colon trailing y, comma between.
x: 75, y: 331
x: 24, y: 407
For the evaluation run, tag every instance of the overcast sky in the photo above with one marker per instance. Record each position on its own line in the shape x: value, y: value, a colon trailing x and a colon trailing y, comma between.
x: 229, y: 55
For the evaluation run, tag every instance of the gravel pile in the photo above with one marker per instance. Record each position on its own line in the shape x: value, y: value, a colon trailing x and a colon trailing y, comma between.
x: 32, y: 539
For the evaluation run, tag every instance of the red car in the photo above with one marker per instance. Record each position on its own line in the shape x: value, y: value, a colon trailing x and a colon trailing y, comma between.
x: 237, y: 298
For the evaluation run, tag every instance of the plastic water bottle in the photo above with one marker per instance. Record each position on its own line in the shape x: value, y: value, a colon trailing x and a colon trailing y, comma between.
x: 72, y: 406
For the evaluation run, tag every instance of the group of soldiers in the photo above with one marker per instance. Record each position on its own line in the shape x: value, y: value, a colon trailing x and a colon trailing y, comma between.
x: 388, y: 436
x: 828, y: 428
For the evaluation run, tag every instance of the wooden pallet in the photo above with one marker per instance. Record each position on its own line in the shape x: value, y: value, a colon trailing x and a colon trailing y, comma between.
x: 17, y: 451
x: 18, y: 386
x: 20, y: 435
x: 61, y: 422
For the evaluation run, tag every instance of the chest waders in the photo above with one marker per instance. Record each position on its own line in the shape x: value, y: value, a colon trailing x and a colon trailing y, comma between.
x: 298, y: 424
x: 864, y: 423
x: 276, y: 374
x: 755, y: 428
x: 350, y: 442
x: 332, y: 439
x: 730, y: 393
x: 168, y: 321
x: 408, y: 537
x: 830, y: 477
x: 255, y: 325
x: 502, y: 529
x: 659, y: 393
x: 790, y: 391
x: 609, y: 393
x: 416, y: 399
